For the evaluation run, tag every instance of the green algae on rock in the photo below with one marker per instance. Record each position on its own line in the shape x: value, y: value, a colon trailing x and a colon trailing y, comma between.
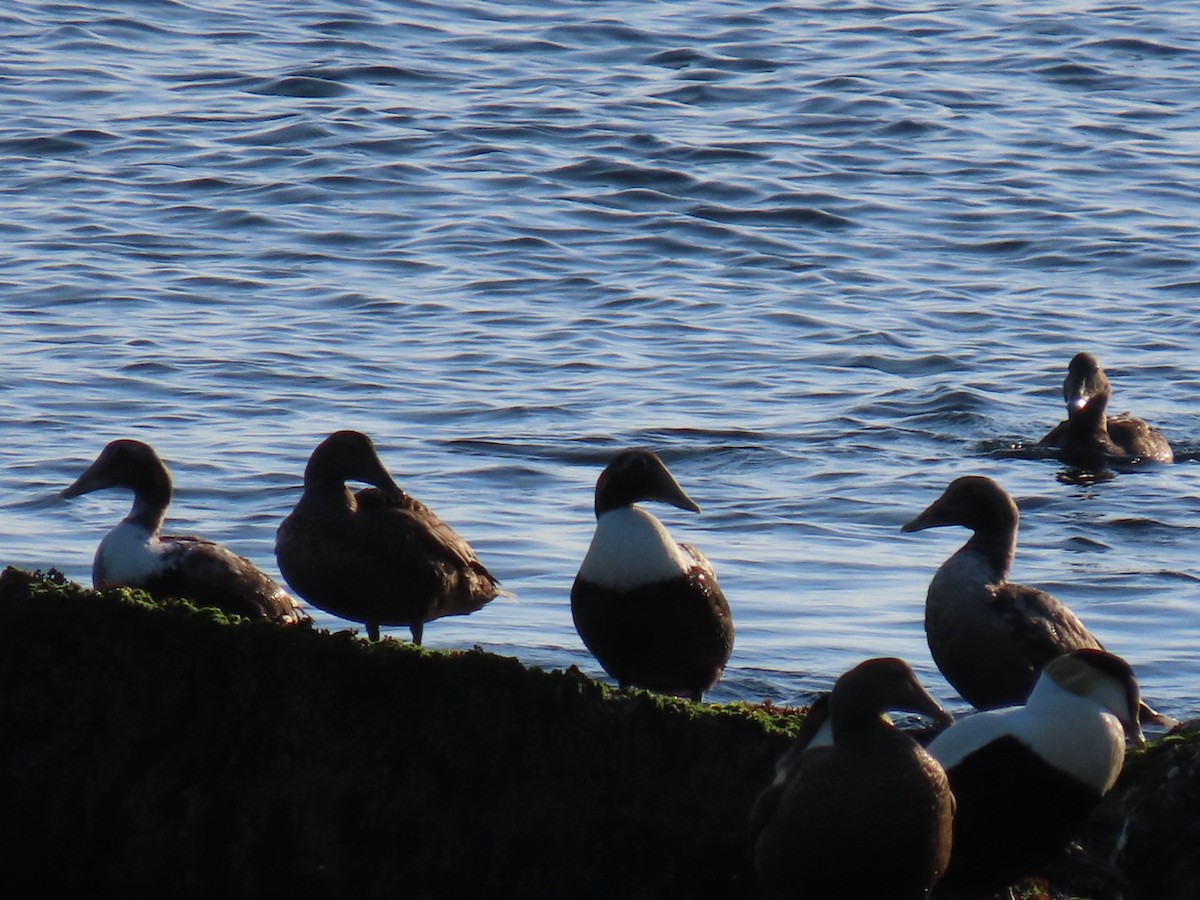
x: 151, y: 746
x: 156, y: 747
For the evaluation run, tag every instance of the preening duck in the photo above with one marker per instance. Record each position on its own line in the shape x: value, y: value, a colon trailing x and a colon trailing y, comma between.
x: 136, y: 553
x: 989, y: 637
x: 860, y: 811
x: 1026, y: 778
x: 379, y: 557
x: 650, y: 610
x: 1088, y: 437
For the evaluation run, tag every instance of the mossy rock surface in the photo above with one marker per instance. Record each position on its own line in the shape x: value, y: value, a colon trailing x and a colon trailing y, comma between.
x: 1143, y: 842
x: 150, y: 748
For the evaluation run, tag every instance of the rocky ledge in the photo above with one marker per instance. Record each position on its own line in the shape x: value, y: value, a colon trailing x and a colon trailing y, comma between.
x: 151, y: 747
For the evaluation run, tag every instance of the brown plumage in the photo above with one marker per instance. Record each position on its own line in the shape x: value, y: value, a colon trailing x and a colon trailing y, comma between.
x: 991, y: 638
x: 136, y: 553
x: 1088, y: 437
x: 379, y: 557
x: 867, y: 816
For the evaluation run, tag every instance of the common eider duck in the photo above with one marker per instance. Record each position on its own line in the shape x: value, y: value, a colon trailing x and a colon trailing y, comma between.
x: 990, y: 637
x: 136, y: 554
x: 867, y: 816
x: 1026, y: 778
x: 815, y: 731
x: 650, y: 610
x: 379, y: 557
x: 1088, y: 437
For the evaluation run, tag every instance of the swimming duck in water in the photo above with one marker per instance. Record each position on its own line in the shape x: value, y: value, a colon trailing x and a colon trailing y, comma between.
x: 650, y: 610
x: 136, y: 554
x: 1088, y: 437
x: 861, y: 810
x: 1026, y: 778
x: 379, y: 557
x: 990, y: 637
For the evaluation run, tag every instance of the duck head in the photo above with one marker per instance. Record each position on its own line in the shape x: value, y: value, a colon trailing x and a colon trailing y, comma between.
x: 128, y: 464
x: 864, y: 695
x: 1086, y: 388
x: 348, y: 456
x: 973, y: 501
x: 1106, y: 680
x: 635, y: 475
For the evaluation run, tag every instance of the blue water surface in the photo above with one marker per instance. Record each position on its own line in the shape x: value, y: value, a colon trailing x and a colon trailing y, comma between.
x: 824, y: 257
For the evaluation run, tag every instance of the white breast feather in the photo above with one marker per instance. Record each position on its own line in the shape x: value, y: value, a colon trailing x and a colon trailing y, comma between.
x: 128, y: 555
x: 631, y: 548
x: 1072, y: 733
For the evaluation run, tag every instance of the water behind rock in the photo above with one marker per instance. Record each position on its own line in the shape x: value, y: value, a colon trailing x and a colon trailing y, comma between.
x: 823, y: 257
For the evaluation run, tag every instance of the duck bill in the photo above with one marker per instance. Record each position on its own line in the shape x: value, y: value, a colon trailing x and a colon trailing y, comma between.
x: 925, y: 705
x: 930, y: 518
x: 672, y: 493
x: 1133, y: 723
x: 378, y: 477
x: 1078, y: 398
x: 92, y: 479
x: 1133, y: 728
x: 915, y: 699
x: 1079, y: 390
x: 1135, y: 736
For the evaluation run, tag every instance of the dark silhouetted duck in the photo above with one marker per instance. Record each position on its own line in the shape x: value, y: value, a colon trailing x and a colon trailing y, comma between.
x: 136, y: 554
x: 649, y: 609
x: 989, y: 637
x: 866, y: 816
x: 1026, y: 778
x: 378, y: 557
x: 1088, y: 437
x: 815, y: 731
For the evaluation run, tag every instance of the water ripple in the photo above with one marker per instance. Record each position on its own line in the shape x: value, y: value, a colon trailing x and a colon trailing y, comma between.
x: 825, y: 258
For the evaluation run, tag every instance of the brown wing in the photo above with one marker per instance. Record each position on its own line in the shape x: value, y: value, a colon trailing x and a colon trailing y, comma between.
x: 1136, y: 438
x: 1055, y: 436
x: 1041, y: 626
x: 405, y: 530
x: 210, y: 575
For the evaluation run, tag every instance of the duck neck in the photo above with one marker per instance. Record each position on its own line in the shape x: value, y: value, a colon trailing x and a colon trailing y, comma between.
x: 327, y: 492
x: 846, y: 721
x: 996, y: 545
x: 1092, y: 419
x: 151, y: 497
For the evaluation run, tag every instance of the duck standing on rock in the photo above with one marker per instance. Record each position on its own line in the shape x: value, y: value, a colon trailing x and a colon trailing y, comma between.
x: 379, y: 557
x: 990, y: 637
x: 650, y: 610
x: 1088, y: 437
x: 136, y: 554
x: 1026, y: 778
x: 866, y: 817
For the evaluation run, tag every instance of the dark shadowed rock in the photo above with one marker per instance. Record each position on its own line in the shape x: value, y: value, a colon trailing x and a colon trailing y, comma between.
x: 158, y: 748
x: 150, y: 748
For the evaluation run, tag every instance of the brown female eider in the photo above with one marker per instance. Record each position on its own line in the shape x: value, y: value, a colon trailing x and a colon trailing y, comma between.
x: 1026, y: 778
x: 379, y: 557
x: 867, y: 817
x: 136, y: 554
x: 989, y: 637
x: 1088, y: 437
x: 647, y: 608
